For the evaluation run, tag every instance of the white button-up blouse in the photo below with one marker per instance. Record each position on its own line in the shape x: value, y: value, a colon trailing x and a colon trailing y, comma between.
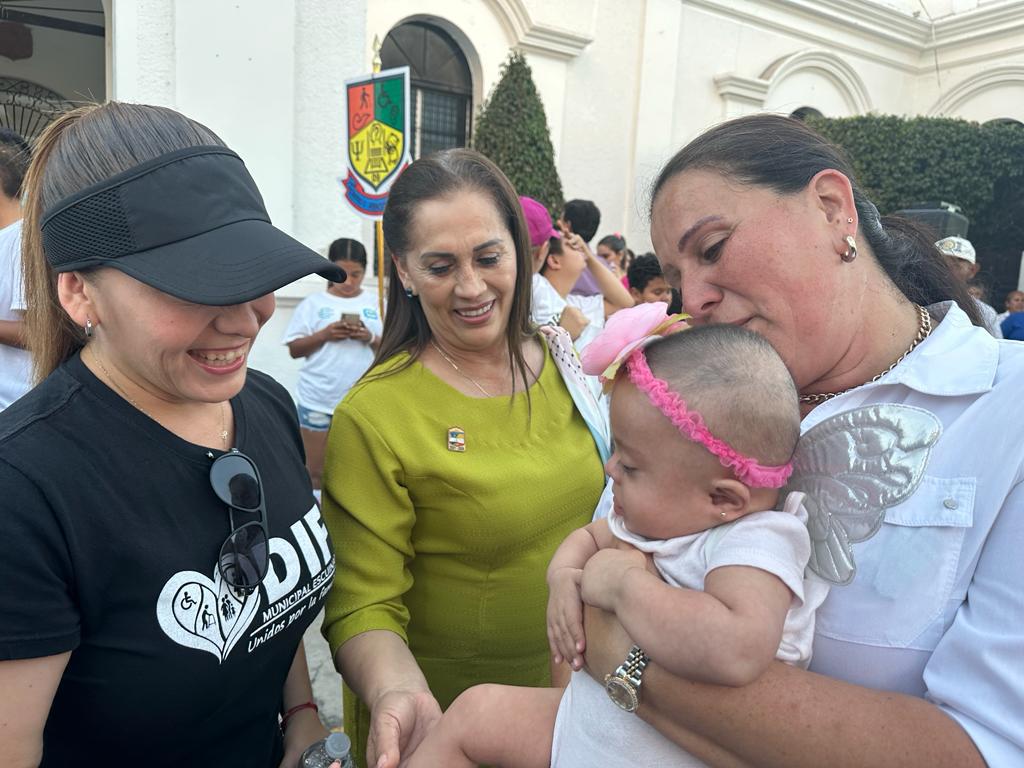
x: 937, y: 606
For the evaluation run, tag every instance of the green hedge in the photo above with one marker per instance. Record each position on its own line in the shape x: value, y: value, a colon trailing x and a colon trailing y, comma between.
x: 512, y: 130
x: 900, y: 161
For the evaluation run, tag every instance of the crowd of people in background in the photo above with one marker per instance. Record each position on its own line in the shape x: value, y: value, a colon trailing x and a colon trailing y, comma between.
x: 554, y: 486
x: 963, y: 260
x: 15, y: 362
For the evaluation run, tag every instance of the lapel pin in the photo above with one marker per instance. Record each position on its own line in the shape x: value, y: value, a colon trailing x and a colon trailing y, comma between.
x: 456, y: 439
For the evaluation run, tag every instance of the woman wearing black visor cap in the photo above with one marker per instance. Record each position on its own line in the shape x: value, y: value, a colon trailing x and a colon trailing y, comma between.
x: 162, y: 549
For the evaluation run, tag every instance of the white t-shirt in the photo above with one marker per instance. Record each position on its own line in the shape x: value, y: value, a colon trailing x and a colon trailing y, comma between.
x: 592, y: 308
x: 329, y: 372
x: 590, y: 730
x: 546, y: 305
x: 15, y: 363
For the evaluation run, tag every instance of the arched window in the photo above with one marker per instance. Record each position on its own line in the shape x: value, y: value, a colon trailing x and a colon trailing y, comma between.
x: 804, y: 112
x: 442, y: 89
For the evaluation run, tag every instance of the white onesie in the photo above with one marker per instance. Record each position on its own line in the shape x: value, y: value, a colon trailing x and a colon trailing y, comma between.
x: 590, y: 730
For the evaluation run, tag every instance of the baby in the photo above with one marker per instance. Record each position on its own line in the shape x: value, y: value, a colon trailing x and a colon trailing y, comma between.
x: 705, y: 422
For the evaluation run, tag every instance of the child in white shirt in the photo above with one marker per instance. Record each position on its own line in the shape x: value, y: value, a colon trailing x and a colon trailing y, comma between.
x: 337, y: 332
x: 727, y: 592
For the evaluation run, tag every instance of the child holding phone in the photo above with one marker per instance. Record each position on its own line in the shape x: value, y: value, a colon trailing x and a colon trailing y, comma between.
x: 705, y: 423
x: 337, y: 333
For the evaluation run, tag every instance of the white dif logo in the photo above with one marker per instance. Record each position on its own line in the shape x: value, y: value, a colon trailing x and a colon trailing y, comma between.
x: 207, y: 615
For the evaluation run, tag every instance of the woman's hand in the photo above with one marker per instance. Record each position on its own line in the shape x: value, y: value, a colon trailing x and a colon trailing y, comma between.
x: 399, y: 719
x: 565, y: 617
x: 303, y: 728
x: 604, y: 576
x: 379, y: 667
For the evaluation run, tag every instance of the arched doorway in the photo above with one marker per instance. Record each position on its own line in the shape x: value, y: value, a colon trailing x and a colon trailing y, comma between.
x: 442, y: 87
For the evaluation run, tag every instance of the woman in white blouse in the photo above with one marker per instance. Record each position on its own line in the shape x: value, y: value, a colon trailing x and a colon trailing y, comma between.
x: 918, y: 661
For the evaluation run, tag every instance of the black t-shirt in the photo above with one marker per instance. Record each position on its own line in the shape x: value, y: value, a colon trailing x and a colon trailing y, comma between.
x: 109, y: 533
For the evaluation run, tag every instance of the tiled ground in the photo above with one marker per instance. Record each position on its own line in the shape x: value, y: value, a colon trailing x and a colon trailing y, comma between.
x: 326, y: 681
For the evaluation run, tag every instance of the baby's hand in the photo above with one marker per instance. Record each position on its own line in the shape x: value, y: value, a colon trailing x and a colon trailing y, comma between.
x: 565, y: 617
x: 603, y: 576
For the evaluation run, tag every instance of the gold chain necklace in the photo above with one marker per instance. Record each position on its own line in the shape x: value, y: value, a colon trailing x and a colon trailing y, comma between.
x: 130, y: 399
x: 459, y: 371
x: 924, y: 329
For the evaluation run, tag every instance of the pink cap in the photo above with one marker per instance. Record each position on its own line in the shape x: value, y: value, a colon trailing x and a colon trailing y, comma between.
x: 538, y: 221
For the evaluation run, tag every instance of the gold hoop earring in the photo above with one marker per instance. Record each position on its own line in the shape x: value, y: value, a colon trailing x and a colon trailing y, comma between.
x: 851, y: 250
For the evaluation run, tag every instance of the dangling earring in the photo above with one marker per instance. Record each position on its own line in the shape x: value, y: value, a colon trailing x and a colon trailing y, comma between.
x: 88, y: 328
x: 851, y: 250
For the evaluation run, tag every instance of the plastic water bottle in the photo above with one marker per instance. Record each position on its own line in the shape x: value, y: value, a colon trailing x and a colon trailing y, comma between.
x: 335, y: 747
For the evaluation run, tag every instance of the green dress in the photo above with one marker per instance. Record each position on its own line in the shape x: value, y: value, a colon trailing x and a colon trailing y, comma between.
x: 449, y: 549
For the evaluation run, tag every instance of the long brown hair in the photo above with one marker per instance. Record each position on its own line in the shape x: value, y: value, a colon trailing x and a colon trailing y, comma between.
x: 783, y: 154
x: 439, y: 175
x: 78, y: 149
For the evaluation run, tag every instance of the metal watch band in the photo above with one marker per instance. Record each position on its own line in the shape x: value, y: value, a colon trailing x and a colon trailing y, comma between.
x: 632, y: 669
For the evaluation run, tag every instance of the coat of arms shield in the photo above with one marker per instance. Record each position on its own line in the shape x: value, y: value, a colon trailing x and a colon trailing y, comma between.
x: 377, y: 111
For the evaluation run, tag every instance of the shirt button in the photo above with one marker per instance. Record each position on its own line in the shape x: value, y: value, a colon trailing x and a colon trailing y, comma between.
x: 951, y: 503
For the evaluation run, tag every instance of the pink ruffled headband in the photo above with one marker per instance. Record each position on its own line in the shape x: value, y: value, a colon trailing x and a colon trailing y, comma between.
x: 622, y: 341
x: 691, y: 425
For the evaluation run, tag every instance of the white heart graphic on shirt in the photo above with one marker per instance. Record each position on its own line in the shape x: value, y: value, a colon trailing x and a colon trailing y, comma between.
x: 206, y: 615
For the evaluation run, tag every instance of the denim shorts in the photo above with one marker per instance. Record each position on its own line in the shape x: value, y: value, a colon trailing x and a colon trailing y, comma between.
x: 314, y: 421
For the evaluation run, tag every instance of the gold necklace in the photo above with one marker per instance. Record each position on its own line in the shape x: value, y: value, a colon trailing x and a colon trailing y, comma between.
x: 459, y: 371
x: 130, y: 399
x: 924, y: 329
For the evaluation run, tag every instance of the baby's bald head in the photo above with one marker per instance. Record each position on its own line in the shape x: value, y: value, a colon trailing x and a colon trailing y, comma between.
x: 738, y: 384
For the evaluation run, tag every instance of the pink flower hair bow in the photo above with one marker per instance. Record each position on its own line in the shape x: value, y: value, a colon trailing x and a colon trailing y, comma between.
x: 622, y: 341
x: 626, y: 331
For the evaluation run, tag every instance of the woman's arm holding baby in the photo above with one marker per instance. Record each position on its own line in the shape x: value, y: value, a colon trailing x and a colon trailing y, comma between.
x: 727, y: 634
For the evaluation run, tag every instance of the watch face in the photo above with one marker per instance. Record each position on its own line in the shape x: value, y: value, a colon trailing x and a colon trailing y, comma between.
x: 622, y: 693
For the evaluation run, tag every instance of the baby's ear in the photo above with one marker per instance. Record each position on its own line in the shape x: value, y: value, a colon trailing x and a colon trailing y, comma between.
x: 730, y: 499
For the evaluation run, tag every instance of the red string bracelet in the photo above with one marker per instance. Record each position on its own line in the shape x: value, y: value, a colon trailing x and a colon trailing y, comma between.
x: 297, y: 708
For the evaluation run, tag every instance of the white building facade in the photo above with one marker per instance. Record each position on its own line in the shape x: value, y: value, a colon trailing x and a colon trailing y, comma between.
x: 624, y: 82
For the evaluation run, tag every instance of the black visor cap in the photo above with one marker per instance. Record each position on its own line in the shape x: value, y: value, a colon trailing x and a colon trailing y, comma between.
x: 190, y: 223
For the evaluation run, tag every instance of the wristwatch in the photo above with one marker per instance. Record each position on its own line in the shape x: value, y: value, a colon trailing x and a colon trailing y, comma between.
x: 623, y: 686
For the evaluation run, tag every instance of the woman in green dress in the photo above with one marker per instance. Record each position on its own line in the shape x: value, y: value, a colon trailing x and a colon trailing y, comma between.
x: 455, y: 467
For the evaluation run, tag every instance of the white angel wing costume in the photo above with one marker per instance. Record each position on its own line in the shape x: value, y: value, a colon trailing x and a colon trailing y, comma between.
x: 852, y: 467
